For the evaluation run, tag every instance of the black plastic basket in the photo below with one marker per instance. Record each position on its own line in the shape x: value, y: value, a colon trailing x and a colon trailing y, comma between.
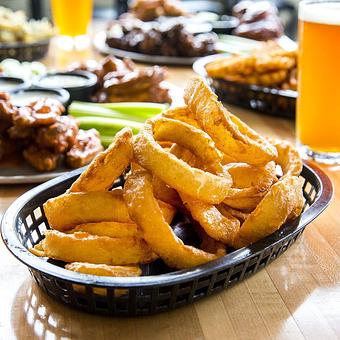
x: 24, y: 223
x: 271, y: 101
x: 24, y: 51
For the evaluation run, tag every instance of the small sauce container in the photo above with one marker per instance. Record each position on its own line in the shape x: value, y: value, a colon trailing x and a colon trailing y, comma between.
x: 11, y: 84
x: 23, y: 97
x: 80, y: 84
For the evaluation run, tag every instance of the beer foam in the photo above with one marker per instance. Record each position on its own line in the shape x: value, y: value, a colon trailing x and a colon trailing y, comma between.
x: 320, y: 12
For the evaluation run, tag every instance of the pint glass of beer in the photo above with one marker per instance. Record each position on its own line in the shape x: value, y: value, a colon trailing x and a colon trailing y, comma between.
x: 72, y: 19
x: 318, y: 106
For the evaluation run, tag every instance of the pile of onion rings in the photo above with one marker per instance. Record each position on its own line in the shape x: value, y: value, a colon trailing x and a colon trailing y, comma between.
x: 198, y: 163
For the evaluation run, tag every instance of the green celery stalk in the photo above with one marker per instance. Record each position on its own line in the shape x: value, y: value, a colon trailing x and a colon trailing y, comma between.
x: 107, y: 126
x: 140, y: 109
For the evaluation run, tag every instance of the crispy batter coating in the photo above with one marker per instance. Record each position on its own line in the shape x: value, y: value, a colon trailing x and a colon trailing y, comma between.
x: 107, y: 166
x: 230, y: 134
x: 83, y: 247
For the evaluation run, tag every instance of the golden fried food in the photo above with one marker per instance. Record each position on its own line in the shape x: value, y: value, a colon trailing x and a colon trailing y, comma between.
x: 191, y: 138
x: 215, y: 172
x: 245, y: 204
x: 165, y: 193
x: 231, y: 135
x: 265, y: 79
x: 269, y: 65
x: 250, y: 180
x: 110, y: 229
x: 144, y: 210
x: 219, y: 227
x: 264, y: 220
x: 84, y: 247
x: 104, y: 269
x: 176, y: 173
x: 182, y: 114
x: 226, y: 211
x: 69, y: 210
x: 288, y: 158
x: 107, y: 166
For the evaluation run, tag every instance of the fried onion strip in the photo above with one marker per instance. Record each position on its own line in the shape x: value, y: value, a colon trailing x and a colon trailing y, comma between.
x: 144, y: 210
x: 107, y: 166
x: 231, y: 135
x: 271, y: 212
x: 83, y: 247
x: 178, y: 175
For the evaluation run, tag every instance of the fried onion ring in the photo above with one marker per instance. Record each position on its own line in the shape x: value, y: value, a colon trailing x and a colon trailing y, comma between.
x: 271, y: 212
x: 175, y: 172
x: 220, y: 227
x: 144, y: 210
x: 231, y: 135
x: 107, y: 166
x: 83, y: 247
x: 194, y: 139
x: 288, y: 158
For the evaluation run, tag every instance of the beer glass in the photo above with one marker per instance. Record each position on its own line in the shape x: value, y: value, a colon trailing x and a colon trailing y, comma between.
x: 72, y: 19
x: 318, y: 105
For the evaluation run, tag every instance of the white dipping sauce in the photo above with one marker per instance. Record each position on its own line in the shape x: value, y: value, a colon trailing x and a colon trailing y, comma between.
x: 24, y: 98
x: 8, y: 85
x: 62, y: 81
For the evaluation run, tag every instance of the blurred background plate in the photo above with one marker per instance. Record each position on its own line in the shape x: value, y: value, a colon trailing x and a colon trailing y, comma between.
x: 102, y: 47
x: 17, y: 171
x: 271, y: 101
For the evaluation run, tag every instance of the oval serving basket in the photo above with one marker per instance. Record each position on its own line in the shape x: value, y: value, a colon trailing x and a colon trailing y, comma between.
x: 271, y: 101
x: 161, y: 288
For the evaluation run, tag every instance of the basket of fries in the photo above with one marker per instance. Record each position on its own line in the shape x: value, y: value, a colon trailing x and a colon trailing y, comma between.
x: 265, y: 80
x: 168, y: 217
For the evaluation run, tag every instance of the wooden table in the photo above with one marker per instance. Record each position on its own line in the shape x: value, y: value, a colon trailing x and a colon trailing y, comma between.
x: 295, y: 297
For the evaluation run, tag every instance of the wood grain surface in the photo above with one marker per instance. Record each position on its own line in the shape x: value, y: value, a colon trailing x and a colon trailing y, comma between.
x: 295, y: 297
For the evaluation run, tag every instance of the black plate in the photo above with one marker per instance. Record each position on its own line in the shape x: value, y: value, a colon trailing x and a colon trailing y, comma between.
x: 274, y: 102
x: 24, y: 223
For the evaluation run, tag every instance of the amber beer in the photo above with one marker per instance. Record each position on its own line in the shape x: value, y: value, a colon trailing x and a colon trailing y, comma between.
x: 72, y: 17
x: 318, y: 107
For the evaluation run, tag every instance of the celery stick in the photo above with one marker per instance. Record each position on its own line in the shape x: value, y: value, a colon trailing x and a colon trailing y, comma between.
x: 107, y: 126
x: 136, y: 108
x: 80, y: 109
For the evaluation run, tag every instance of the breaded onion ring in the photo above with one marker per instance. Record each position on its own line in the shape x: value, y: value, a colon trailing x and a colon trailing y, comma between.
x: 83, y: 247
x: 231, y: 135
x: 250, y: 180
x: 288, y: 158
x: 220, y: 227
x: 144, y: 210
x: 104, y: 269
x: 175, y: 172
x: 271, y: 212
x: 89, y: 207
x: 191, y: 138
x: 182, y: 114
x: 106, y: 166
